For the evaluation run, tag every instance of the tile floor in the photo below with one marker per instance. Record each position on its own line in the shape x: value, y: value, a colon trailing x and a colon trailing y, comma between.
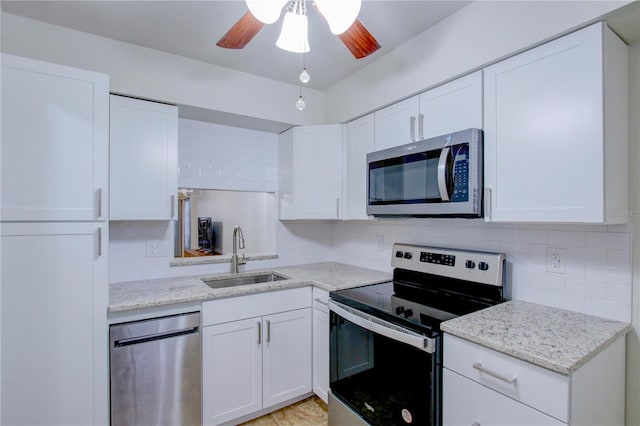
x: 308, y: 412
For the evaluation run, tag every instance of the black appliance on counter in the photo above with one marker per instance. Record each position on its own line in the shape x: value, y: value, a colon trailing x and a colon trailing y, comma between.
x: 385, y: 339
x: 206, y: 235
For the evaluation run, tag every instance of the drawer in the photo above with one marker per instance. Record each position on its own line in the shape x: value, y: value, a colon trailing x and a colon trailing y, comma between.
x: 537, y: 387
x: 320, y: 299
x: 466, y: 402
x: 255, y: 305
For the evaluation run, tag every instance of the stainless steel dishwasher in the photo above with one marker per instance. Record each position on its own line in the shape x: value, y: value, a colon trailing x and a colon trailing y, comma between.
x: 155, y: 371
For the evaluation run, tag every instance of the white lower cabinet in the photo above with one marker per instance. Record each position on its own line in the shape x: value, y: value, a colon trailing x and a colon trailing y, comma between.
x: 255, y: 363
x: 482, y: 406
x: 484, y: 387
x: 321, y: 343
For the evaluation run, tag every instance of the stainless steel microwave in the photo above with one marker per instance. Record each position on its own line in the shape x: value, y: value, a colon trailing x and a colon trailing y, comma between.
x: 440, y: 176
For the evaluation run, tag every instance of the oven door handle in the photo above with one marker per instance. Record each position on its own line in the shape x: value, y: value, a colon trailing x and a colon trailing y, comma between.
x: 442, y: 173
x: 384, y: 328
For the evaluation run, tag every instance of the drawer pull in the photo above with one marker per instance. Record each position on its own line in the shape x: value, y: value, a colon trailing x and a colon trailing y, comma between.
x: 320, y: 301
x: 499, y: 376
x: 475, y: 424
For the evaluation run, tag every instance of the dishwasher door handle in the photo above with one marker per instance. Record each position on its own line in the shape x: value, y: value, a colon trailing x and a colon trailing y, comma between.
x: 152, y: 337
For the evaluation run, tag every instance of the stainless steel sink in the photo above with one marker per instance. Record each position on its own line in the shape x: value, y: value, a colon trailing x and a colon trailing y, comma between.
x: 243, y: 280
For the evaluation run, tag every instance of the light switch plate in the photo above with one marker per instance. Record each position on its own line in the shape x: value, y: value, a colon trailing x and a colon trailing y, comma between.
x: 155, y: 248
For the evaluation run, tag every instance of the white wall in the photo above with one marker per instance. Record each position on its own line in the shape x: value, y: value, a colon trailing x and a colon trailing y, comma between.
x: 151, y: 74
x: 633, y: 341
x: 478, y: 34
x: 211, y: 156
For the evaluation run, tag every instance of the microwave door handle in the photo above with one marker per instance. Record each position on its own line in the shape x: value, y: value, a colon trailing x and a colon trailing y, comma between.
x: 442, y: 173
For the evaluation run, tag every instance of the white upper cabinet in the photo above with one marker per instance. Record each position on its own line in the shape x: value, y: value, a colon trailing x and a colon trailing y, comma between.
x: 555, y: 139
x: 143, y: 159
x: 453, y: 106
x: 310, y: 163
x: 397, y: 124
x: 359, y: 142
x: 55, y: 123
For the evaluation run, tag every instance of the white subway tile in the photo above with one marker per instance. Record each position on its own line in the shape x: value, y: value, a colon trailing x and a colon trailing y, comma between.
x: 609, y: 240
x: 618, y: 293
x: 607, y: 309
x: 533, y: 236
x: 568, y: 238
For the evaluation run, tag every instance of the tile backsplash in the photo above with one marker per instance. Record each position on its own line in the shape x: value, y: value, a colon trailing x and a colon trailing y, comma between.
x: 596, y: 278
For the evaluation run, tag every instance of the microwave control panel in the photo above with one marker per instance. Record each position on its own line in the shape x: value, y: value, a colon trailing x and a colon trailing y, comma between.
x: 460, y: 173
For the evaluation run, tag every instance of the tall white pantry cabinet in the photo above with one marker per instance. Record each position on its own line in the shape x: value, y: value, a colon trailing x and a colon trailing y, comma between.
x: 55, y: 122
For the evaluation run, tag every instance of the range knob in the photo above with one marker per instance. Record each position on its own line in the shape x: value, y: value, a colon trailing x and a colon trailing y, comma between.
x: 408, y: 255
x: 470, y: 264
x: 399, y: 310
x: 408, y: 313
x: 483, y: 266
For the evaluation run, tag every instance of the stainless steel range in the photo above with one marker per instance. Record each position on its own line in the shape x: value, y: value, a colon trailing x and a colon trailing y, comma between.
x: 385, y: 339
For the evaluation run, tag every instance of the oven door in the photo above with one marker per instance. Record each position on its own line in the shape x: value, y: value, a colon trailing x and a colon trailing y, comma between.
x: 385, y: 374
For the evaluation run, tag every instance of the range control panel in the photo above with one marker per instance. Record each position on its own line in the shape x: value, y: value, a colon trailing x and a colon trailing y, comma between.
x: 478, y: 266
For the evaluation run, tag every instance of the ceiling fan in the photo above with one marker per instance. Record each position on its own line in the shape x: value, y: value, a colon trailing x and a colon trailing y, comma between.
x: 341, y: 15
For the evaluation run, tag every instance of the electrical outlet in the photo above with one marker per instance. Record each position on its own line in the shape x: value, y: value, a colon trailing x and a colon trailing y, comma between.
x: 155, y: 248
x: 556, y: 260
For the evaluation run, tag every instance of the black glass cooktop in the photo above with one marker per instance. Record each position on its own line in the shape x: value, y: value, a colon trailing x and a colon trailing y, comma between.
x: 421, y: 303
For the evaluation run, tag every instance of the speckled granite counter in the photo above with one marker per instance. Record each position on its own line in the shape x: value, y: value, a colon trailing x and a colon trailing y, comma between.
x: 166, y: 291
x: 559, y: 340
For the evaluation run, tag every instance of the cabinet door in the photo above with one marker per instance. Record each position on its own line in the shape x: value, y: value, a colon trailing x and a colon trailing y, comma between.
x: 286, y: 356
x: 54, y: 331
x: 397, y: 124
x: 466, y: 402
x: 454, y: 106
x: 143, y: 159
x: 360, y: 137
x: 232, y: 370
x: 317, y: 171
x: 544, y: 132
x: 54, y: 142
x: 321, y: 353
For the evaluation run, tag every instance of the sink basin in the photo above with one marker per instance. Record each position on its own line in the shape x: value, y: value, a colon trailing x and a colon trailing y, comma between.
x: 243, y: 280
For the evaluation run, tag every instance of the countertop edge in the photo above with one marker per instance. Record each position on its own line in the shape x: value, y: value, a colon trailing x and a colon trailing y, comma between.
x: 534, y: 359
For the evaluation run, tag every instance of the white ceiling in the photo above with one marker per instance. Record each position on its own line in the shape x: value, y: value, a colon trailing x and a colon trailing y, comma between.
x: 192, y: 28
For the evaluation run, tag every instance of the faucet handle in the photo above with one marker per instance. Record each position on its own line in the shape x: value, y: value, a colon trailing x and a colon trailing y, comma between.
x: 243, y: 261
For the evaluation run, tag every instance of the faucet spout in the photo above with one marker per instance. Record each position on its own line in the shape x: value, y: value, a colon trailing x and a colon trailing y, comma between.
x: 238, y: 239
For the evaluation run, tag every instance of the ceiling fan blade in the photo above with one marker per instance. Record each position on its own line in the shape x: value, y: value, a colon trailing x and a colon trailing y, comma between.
x: 359, y: 40
x: 241, y: 33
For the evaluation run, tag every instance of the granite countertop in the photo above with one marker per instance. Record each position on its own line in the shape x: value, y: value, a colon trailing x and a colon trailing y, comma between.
x: 556, y: 339
x: 167, y: 291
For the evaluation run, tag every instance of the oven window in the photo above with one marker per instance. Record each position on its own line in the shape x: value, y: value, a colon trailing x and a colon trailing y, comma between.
x: 385, y: 381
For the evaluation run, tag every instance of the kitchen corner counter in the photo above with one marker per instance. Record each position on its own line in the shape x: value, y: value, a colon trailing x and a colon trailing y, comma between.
x: 556, y: 339
x: 131, y: 295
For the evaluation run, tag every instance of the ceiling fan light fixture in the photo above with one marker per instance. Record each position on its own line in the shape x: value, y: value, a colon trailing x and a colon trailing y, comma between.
x: 340, y: 14
x: 293, y: 37
x: 266, y: 11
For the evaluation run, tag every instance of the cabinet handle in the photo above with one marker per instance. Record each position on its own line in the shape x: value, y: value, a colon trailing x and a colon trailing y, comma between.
x: 99, y: 240
x: 498, y: 376
x: 421, y: 126
x: 475, y: 424
x: 268, y: 331
x: 98, y: 203
x: 321, y: 302
x: 338, y: 208
x: 173, y: 207
x: 487, y: 204
x: 412, y: 128
x: 259, y: 332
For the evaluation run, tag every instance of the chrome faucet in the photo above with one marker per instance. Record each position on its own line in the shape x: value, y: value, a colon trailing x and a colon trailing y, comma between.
x: 235, y: 262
